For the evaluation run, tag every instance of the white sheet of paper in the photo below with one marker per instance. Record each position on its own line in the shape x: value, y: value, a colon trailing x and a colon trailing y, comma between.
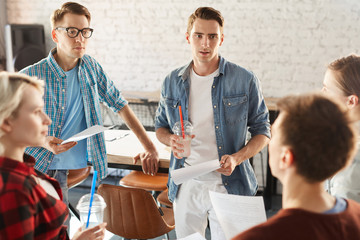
x: 237, y: 213
x: 86, y: 133
x: 183, y: 174
x: 194, y: 236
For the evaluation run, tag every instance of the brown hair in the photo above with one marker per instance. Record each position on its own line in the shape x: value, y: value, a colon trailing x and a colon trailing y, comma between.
x: 347, y: 74
x: 320, y: 134
x: 69, y: 7
x: 206, y: 13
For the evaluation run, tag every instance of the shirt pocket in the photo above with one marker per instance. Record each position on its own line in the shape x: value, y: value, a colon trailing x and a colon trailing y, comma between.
x: 235, y: 108
x: 171, y: 109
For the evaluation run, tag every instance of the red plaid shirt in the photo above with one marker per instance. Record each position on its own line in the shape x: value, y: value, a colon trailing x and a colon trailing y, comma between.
x: 26, y: 210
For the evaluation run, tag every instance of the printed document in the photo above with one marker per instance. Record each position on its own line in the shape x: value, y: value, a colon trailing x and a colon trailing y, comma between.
x: 87, y: 133
x: 237, y: 213
x: 183, y: 174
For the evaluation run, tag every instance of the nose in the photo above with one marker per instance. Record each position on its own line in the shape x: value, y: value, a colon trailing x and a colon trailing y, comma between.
x: 46, y: 120
x: 79, y: 37
x: 205, y: 42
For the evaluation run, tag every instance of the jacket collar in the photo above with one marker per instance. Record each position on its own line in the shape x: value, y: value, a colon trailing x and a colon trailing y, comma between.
x: 184, y: 73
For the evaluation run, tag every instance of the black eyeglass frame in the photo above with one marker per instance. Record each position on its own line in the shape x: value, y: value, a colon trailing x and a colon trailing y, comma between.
x: 78, y: 31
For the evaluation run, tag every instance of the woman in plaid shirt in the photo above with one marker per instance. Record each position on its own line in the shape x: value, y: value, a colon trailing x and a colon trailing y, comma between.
x: 31, y: 204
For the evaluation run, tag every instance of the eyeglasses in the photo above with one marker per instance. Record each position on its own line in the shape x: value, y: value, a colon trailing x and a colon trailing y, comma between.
x: 73, y: 32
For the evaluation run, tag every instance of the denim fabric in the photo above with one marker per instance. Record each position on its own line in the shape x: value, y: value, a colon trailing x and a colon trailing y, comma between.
x: 61, y: 177
x: 238, y: 107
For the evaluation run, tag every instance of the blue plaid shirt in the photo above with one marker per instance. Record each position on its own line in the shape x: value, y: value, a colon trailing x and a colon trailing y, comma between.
x: 95, y: 87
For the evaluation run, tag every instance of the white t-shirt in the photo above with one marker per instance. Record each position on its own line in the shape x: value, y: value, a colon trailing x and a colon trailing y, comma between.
x: 48, y: 187
x: 203, y: 146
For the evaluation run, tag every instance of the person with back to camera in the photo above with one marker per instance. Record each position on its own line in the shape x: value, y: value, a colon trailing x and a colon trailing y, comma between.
x: 313, y: 138
x: 222, y: 101
x: 31, y: 202
x: 342, y: 82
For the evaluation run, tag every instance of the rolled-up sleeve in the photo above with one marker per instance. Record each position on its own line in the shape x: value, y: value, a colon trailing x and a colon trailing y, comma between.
x: 161, y: 120
x: 258, y: 115
x: 108, y: 92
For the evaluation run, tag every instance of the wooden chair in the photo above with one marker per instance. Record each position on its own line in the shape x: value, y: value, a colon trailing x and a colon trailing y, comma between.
x: 163, y: 199
x: 133, y: 213
x: 137, y: 179
x: 75, y: 177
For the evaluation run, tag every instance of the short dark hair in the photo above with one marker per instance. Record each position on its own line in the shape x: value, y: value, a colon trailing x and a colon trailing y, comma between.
x: 319, y: 132
x: 206, y: 13
x: 69, y: 7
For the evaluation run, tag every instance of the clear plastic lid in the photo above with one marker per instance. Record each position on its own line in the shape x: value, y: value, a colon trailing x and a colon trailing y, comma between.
x: 187, y: 128
x: 84, y: 202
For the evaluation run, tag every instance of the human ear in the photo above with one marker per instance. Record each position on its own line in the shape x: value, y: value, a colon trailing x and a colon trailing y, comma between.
x: 287, y: 158
x: 187, y: 37
x: 6, y: 125
x: 53, y: 36
x: 221, y: 39
x: 352, y: 101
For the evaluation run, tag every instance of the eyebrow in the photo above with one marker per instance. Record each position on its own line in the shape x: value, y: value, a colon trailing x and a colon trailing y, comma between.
x: 211, y: 34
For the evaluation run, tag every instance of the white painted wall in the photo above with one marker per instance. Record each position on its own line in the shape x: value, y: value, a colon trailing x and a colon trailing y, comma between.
x: 3, y: 20
x: 286, y: 43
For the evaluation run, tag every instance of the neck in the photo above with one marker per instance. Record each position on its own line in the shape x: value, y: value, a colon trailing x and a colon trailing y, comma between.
x: 206, y: 68
x: 65, y: 62
x: 298, y: 193
x: 10, y: 150
x: 355, y: 113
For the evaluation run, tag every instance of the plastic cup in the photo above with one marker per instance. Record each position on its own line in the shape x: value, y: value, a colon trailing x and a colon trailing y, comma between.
x: 186, y: 142
x: 97, y: 210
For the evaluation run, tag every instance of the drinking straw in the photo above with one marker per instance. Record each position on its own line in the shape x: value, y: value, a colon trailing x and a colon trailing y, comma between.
x: 182, y: 123
x: 91, y: 197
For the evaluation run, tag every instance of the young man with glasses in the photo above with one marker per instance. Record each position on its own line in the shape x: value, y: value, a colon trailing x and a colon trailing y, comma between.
x: 75, y: 84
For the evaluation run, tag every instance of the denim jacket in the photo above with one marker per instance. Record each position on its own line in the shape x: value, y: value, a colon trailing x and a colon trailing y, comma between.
x: 238, y: 106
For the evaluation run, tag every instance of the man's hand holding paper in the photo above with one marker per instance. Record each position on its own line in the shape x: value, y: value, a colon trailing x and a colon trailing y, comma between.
x: 183, y: 174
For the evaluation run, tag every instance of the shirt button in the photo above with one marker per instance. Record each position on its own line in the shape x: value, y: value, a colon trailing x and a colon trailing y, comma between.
x: 63, y: 90
x: 62, y: 108
x: 225, y: 184
x: 213, y: 86
x: 214, y: 106
x: 174, y: 106
x: 220, y: 147
x: 59, y: 126
x: 229, y: 104
x: 217, y: 127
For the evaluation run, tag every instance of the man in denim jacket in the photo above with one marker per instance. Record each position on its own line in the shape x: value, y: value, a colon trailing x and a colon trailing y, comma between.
x: 222, y: 101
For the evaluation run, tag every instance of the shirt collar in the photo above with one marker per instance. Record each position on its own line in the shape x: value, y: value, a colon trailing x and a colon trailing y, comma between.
x: 55, y: 66
x: 24, y: 168
x: 185, y: 71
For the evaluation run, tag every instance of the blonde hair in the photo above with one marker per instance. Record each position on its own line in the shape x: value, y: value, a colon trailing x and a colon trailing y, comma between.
x: 12, y: 86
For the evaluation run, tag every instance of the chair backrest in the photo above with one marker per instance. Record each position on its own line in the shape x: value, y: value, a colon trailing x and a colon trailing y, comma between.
x: 133, y: 213
x: 77, y: 176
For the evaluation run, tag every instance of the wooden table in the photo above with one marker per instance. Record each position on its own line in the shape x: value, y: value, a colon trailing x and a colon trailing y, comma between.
x: 123, y: 145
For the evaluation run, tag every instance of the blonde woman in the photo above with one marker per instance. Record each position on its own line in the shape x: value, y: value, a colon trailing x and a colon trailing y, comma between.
x: 342, y: 82
x: 31, y: 202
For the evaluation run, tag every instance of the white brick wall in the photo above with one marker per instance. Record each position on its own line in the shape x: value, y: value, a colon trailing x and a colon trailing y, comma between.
x: 286, y: 43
